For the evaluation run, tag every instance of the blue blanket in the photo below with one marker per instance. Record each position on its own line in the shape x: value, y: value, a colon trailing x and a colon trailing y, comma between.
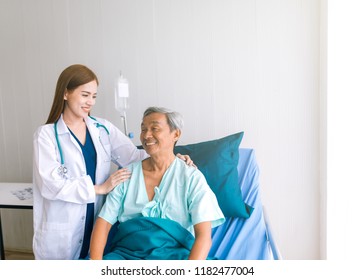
x: 147, y: 238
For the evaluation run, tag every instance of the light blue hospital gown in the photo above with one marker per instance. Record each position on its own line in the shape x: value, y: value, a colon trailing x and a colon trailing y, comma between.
x: 183, y: 196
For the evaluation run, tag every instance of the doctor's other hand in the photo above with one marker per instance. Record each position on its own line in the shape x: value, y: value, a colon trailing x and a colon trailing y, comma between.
x: 187, y: 159
x: 115, y: 179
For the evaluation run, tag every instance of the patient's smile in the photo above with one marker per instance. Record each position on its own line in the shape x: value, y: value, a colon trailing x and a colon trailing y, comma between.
x: 150, y: 143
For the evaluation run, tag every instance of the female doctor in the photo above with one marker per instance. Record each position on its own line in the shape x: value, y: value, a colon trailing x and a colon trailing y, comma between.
x: 72, y: 159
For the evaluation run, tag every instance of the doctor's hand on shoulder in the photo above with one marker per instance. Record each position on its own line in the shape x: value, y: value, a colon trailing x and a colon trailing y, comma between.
x: 114, y: 180
x: 187, y: 159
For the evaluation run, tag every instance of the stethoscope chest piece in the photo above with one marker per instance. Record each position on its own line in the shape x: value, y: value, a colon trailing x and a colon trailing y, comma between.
x: 62, y: 171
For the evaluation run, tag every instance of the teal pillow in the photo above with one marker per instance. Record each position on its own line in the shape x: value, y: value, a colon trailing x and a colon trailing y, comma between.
x: 218, y: 161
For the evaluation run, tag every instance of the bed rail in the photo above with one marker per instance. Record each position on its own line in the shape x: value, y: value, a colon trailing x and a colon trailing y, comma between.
x: 273, y: 245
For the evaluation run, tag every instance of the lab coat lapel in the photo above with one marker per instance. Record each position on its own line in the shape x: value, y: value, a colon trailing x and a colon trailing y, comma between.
x: 95, y: 135
x: 63, y: 129
x: 102, y: 167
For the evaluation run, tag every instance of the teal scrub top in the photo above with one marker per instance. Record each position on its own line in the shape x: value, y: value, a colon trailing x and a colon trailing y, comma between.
x: 90, y: 157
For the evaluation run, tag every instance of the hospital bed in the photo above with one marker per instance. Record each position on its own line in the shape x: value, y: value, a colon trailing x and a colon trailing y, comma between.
x: 238, y: 238
x: 251, y: 238
x: 234, y: 171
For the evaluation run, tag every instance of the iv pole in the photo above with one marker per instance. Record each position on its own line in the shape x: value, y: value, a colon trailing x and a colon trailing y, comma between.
x: 124, y: 120
x: 121, y: 101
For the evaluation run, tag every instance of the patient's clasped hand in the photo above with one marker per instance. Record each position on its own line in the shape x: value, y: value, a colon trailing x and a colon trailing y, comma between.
x: 166, y: 209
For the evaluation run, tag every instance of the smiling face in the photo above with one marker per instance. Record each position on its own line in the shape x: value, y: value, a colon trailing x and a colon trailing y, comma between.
x: 80, y: 101
x: 156, y: 135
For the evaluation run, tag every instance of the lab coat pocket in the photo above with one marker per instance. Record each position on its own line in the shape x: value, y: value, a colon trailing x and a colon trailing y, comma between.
x: 55, y: 241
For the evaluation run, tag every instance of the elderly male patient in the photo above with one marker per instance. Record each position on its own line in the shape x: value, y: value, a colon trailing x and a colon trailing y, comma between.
x: 166, y: 209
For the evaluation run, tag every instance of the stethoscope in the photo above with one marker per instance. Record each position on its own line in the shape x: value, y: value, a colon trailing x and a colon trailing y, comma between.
x: 62, y: 170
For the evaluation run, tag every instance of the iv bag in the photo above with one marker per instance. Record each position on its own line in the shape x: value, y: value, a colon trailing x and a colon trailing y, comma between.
x: 121, y: 94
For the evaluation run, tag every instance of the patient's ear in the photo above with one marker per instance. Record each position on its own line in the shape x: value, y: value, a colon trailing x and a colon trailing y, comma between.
x: 177, y: 134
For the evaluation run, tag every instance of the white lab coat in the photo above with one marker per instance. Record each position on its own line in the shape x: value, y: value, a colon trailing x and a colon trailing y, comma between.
x: 59, y: 206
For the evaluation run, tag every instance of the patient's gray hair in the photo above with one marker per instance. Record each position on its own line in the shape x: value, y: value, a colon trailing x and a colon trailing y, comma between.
x: 174, y: 119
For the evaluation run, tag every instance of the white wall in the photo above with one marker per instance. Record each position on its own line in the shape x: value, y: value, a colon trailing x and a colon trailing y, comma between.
x: 226, y: 65
x: 341, y: 138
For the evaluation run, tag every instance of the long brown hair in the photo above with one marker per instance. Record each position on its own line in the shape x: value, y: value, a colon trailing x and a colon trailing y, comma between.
x: 71, y: 78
